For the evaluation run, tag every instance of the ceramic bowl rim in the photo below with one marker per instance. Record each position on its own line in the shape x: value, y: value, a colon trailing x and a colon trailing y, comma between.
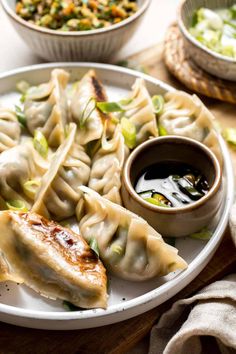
x: 194, y: 41
x: 169, y: 139
x: 142, y: 9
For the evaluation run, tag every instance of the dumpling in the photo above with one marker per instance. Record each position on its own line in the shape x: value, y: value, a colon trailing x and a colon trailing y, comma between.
x: 140, y: 112
x: 17, y: 166
x: 69, y: 168
x: 187, y: 116
x: 50, y: 259
x: 107, y: 164
x: 127, y: 245
x: 90, y: 120
x: 46, y: 108
x: 9, y: 129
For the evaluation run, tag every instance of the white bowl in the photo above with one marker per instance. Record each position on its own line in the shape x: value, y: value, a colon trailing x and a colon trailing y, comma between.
x: 92, y: 45
x: 210, y: 61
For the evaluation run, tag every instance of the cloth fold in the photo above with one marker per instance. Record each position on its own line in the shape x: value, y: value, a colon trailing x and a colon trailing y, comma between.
x: 202, y: 324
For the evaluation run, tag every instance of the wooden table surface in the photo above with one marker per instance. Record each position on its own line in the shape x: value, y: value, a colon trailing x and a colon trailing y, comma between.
x: 121, y: 337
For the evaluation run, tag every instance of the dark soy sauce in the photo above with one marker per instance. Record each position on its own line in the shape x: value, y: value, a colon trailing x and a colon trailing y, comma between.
x: 171, y: 184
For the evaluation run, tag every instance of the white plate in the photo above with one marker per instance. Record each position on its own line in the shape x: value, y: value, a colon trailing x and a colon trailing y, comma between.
x: 21, y: 306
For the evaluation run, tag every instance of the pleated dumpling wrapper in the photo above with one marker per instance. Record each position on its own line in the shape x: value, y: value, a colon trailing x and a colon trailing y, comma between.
x: 85, y: 114
x: 9, y: 129
x: 59, y: 192
x: 19, y: 165
x: 107, y: 164
x: 186, y: 115
x: 46, y: 108
x: 127, y: 244
x: 50, y: 259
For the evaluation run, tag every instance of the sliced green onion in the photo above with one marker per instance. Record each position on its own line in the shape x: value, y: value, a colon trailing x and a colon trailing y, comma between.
x: 69, y: 306
x: 128, y: 130
x: 161, y: 199
x: 67, y: 130
x: 229, y: 135
x: 17, y: 205
x: 94, y: 246
x: 194, y: 19
x: 156, y: 202
x: 88, y: 110
x: 204, y: 235
x: 23, y: 98
x: 20, y: 116
x: 22, y: 86
x: 162, y: 131
x: 114, y: 120
x: 109, y: 107
x: 117, y: 249
x: 126, y: 101
x: 30, y: 188
x: 158, y: 104
x: 232, y: 10
x: 40, y: 143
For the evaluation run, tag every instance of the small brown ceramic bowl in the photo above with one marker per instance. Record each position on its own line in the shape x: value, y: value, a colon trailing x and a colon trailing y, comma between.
x: 174, y: 221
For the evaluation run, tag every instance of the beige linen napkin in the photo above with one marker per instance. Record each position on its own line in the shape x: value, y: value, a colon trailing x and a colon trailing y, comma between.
x: 202, y: 324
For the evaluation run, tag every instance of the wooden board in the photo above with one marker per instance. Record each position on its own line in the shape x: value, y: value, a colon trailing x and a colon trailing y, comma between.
x: 120, y: 337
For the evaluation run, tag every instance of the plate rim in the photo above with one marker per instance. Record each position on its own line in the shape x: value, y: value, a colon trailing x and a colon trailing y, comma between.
x: 181, y: 278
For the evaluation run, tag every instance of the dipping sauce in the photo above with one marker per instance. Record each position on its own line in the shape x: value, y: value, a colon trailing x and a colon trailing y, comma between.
x: 171, y: 184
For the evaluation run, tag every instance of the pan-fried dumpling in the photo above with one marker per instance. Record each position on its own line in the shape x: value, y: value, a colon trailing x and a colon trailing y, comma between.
x: 9, y: 129
x: 18, y: 165
x: 187, y: 116
x: 107, y: 164
x: 89, y: 119
x: 140, y: 112
x: 69, y: 168
x: 127, y: 245
x: 51, y: 260
x: 45, y: 108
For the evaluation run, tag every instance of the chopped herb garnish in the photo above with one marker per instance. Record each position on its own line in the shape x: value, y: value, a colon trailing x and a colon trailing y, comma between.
x: 94, y: 245
x: 229, y: 135
x: 109, y: 107
x: 162, y: 131
x: 158, y: 104
x: 88, y: 110
x: 20, y: 116
x: 69, y: 306
x: 204, y: 235
x: 17, y: 205
x: 40, y: 143
x: 30, y: 188
x: 128, y: 130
